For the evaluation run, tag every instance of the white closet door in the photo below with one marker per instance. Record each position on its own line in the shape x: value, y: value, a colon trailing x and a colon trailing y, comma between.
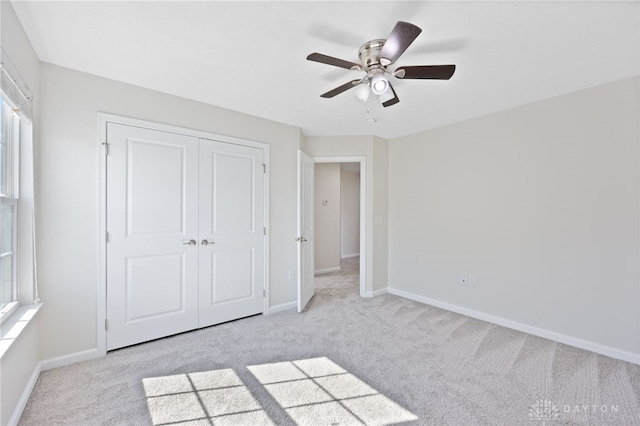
x: 232, y: 233
x: 152, y: 214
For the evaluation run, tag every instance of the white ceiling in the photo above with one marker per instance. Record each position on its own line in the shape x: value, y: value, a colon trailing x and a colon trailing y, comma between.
x: 250, y: 56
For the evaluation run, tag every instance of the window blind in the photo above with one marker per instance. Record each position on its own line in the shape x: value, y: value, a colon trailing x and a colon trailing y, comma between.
x: 14, y: 87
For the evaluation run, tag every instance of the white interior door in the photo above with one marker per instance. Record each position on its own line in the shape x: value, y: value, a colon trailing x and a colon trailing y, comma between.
x: 152, y: 214
x: 232, y: 232
x: 306, y: 288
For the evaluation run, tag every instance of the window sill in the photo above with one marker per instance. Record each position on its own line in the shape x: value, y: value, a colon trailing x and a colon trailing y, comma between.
x: 7, y: 311
x: 15, y: 325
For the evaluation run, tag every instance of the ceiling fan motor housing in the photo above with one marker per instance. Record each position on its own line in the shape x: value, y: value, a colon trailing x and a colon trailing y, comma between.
x: 369, y: 54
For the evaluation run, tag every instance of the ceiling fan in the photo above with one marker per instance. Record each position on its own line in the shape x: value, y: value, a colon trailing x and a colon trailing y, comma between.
x: 375, y: 56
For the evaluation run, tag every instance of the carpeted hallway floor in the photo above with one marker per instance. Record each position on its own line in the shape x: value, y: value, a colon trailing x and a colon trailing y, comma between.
x: 431, y: 366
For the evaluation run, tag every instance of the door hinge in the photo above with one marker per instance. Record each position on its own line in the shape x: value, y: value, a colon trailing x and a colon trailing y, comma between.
x: 106, y: 324
x: 106, y: 148
x: 264, y: 293
x: 106, y: 237
x: 264, y: 167
x: 264, y: 231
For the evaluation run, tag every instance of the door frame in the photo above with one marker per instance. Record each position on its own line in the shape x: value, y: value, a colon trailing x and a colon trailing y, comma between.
x: 363, y: 210
x: 102, y: 152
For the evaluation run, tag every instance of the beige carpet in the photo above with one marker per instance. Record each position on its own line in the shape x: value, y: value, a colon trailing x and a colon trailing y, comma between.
x: 345, y: 360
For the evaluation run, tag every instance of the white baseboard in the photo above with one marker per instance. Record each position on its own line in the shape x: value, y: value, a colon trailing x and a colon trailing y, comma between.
x: 282, y: 307
x: 346, y: 256
x: 326, y: 271
x: 61, y: 361
x: 375, y: 293
x: 45, y: 365
x: 525, y: 328
x: 24, y: 398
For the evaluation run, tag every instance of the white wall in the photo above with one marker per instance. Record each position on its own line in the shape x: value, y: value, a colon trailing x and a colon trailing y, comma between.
x: 68, y: 201
x: 375, y: 150
x: 327, y: 217
x: 381, y: 212
x: 20, y: 361
x: 350, y: 210
x: 540, y: 202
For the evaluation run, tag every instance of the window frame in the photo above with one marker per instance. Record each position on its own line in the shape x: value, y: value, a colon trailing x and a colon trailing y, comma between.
x: 12, y: 198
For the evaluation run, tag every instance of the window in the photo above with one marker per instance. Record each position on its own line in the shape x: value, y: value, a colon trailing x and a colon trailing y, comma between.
x: 9, y: 137
x: 18, y: 287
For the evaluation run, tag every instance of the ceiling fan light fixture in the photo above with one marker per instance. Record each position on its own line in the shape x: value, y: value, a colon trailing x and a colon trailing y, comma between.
x: 379, y: 84
x: 362, y: 92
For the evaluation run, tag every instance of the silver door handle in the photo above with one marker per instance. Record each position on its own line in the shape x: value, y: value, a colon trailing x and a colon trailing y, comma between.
x: 189, y: 243
x: 206, y: 242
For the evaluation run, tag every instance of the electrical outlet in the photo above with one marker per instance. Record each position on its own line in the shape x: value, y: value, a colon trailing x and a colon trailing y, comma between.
x: 292, y: 274
x: 463, y: 279
x: 472, y: 280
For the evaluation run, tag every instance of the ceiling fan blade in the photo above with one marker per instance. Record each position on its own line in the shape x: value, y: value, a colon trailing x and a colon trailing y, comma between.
x: 330, y: 60
x: 340, y: 89
x: 435, y: 72
x: 400, y: 38
x: 389, y: 98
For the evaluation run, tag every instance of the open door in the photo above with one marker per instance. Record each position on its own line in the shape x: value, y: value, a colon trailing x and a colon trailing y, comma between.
x: 305, y: 230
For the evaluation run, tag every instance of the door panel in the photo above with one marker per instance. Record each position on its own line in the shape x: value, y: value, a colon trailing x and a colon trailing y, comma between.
x: 232, y: 263
x: 156, y: 187
x: 152, y: 209
x: 306, y: 287
x: 155, y: 286
x: 234, y: 193
x: 232, y: 275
